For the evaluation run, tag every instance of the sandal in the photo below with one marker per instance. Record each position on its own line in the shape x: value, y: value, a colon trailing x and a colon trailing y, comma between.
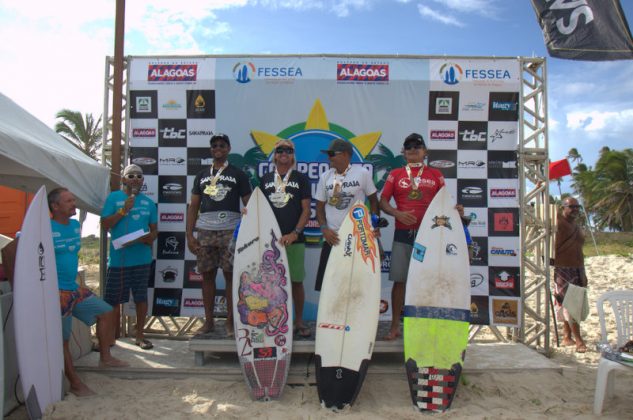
x: 145, y: 344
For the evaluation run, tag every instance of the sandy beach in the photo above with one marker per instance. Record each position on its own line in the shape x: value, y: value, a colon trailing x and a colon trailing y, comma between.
x: 527, y: 394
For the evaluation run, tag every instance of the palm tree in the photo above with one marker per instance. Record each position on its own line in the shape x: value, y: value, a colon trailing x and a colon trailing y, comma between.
x: 383, y: 163
x: 574, y: 156
x: 613, y: 189
x: 249, y: 163
x: 84, y: 133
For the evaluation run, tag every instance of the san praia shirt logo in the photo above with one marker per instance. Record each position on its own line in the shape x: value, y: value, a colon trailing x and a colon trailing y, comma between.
x: 312, y: 136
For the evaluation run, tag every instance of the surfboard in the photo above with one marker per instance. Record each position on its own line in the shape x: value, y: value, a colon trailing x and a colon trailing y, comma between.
x: 437, y: 306
x: 37, y: 315
x: 262, y: 301
x: 347, y: 318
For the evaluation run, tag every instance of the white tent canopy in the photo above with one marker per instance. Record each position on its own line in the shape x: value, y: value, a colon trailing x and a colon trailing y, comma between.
x: 32, y: 155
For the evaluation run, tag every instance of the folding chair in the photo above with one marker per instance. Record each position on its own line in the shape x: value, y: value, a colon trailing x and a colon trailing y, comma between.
x: 622, y: 306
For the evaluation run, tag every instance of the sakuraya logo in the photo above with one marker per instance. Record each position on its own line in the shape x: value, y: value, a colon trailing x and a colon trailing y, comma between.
x: 243, y: 72
x: 451, y: 73
x: 314, y: 135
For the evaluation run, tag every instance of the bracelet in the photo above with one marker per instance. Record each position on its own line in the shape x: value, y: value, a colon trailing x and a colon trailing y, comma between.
x: 297, y: 231
x: 122, y: 212
x: 323, y: 226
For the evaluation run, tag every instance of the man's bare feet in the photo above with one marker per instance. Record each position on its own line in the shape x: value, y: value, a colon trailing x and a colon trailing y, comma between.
x: 81, y: 390
x: 568, y: 342
x: 207, y: 327
x: 393, y: 334
x: 113, y: 363
x: 581, y: 347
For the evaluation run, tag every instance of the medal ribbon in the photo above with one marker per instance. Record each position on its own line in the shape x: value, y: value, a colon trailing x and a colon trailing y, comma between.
x: 280, y: 184
x: 415, y: 181
x: 216, y: 177
x: 338, y: 183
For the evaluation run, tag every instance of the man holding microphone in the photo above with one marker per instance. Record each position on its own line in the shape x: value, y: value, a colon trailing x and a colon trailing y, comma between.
x: 127, y: 211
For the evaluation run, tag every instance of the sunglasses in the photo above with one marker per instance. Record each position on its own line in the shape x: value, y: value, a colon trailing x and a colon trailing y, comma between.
x: 413, y: 147
x: 573, y: 206
x: 332, y: 153
x: 219, y: 145
x: 287, y: 150
x: 132, y: 176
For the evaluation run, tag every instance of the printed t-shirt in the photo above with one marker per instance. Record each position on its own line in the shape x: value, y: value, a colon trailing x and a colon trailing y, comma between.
x: 288, y: 212
x: 222, y: 210
x: 398, y: 186
x: 67, y: 243
x: 139, y: 217
x: 356, y: 185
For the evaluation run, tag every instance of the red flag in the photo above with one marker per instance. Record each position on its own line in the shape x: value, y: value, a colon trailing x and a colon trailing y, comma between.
x: 559, y: 169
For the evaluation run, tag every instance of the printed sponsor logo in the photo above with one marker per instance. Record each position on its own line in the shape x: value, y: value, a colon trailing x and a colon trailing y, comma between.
x: 168, y: 302
x: 328, y: 326
x: 169, y: 274
x: 143, y: 132
x: 503, y: 193
x: 505, y: 311
x: 171, y: 188
x: 476, y: 279
x: 171, y: 133
x: 474, y: 106
x: 442, y: 163
x: 504, y: 222
x: 172, y: 217
x: 472, y: 191
x: 504, y: 280
x: 451, y: 73
x: 443, y: 135
x: 171, y: 105
x: 245, y: 72
x: 471, y: 164
x: 357, y: 72
x: 504, y: 106
x: 472, y: 135
x: 172, y: 72
x: 486, y: 74
x: 194, y: 275
x: 171, y: 246
x: 503, y: 252
x: 144, y: 161
x: 443, y: 106
x: 205, y: 133
x: 172, y: 161
x: 500, y: 134
x: 193, y: 303
x: 143, y: 104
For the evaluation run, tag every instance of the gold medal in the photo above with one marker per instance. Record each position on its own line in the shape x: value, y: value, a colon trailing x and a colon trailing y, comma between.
x: 211, y: 190
x: 414, y: 195
x: 334, y: 200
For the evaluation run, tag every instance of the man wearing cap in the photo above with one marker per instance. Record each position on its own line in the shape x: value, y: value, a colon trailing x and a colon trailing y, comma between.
x: 412, y: 187
x: 337, y: 190
x: 77, y: 301
x: 289, y: 194
x: 124, y: 212
x: 214, y: 212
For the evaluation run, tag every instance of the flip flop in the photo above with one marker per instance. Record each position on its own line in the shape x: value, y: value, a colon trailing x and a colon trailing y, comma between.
x: 145, y: 344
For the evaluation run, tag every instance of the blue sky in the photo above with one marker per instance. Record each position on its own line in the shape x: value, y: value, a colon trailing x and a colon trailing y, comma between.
x: 53, y: 53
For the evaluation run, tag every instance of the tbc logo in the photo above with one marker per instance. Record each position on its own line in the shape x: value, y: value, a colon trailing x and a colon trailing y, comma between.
x: 451, y: 73
x: 243, y: 71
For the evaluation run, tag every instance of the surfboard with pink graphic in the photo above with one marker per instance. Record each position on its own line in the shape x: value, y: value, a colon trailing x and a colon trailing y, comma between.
x: 262, y: 301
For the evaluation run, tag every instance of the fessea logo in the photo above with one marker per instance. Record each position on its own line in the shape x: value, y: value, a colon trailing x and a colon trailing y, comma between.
x: 451, y: 73
x: 246, y: 71
x: 359, y: 72
x: 172, y: 72
x: 310, y: 137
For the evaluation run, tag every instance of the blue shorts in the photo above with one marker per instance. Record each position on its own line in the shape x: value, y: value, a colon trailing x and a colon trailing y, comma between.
x: 120, y: 280
x: 83, y: 305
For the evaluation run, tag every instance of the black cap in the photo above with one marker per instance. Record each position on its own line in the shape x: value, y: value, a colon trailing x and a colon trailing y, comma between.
x: 414, y: 138
x: 339, y: 145
x: 220, y: 136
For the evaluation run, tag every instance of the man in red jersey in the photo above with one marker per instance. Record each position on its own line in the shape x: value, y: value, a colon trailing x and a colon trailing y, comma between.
x: 412, y: 187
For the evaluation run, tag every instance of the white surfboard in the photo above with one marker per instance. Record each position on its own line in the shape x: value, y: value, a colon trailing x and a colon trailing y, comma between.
x: 437, y: 306
x: 37, y: 314
x: 262, y: 301
x: 349, y: 306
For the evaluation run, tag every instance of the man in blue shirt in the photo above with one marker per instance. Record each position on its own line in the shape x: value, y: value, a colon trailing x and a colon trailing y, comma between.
x: 124, y: 212
x: 75, y: 300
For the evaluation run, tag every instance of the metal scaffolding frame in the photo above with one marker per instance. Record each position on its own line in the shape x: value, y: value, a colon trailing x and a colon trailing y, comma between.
x: 534, y: 219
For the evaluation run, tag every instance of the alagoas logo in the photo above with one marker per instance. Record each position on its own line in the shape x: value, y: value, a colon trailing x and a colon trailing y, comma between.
x: 357, y: 72
x: 172, y: 217
x: 172, y: 72
x: 143, y: 132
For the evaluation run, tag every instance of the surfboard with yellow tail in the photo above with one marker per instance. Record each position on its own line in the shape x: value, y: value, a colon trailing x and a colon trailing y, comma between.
x: 348, y: 312
x: 437, y: 306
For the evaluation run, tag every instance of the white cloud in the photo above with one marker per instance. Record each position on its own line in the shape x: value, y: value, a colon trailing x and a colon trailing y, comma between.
x: 446, y: 19
x: 601, y: 122
x: 482, y: 7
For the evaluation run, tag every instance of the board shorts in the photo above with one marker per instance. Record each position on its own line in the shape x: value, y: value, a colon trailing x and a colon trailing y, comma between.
x: 121, y: 280
x: 296, y: 261
x: 214, y: 250
x: 400, y: 259
x: 81, y: 304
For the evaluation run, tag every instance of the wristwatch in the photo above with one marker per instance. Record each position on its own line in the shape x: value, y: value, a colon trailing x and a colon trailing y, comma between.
x: 122, y: 211
x: 298, y: 231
